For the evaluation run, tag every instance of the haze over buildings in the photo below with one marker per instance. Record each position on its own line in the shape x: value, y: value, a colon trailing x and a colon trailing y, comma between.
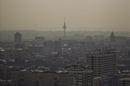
x: 80, y: 14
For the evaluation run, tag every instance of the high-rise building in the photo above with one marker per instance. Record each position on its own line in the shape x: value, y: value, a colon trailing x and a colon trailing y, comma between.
x: 102, y: 62
x: 17, y: 37
x: 81, y: 76
x: 112, y: 37
x: 18, y: 40
x: 39, y: 41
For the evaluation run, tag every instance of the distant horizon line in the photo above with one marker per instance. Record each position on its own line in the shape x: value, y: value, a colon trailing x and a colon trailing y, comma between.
x: 67, y: 30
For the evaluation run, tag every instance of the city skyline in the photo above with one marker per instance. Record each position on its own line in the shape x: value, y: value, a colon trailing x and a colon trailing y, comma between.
x: 64, y: 43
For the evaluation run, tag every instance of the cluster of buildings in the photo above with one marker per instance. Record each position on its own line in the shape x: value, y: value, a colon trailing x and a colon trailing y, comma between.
x: 63, y: 62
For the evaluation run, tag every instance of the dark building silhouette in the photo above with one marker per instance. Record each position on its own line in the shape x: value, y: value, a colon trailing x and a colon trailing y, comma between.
x: 18, y: 37
x: 112, y: 37
x: 18, y: 40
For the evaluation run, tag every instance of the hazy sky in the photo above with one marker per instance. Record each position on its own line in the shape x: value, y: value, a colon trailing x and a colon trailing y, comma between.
x: 49, y: 14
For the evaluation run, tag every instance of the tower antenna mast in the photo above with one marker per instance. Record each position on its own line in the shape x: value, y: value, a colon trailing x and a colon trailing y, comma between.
x: 64, y: 28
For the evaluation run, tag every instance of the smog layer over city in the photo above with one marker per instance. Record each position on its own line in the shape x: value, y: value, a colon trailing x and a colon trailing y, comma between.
x: 64, y: 43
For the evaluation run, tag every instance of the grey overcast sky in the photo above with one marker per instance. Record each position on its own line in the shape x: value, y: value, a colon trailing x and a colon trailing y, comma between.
x: 49, y: 14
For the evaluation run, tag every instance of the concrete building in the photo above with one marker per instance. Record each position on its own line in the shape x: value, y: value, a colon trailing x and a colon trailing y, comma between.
x: 41, y: 79
x: 17, y: 37
x: 124, y: 82
x: 39, y: 41
x: 81, y: 76
x: 112, y: 37
x: 73, y: 75
x: 18, y: 40
x: 102, y: 62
